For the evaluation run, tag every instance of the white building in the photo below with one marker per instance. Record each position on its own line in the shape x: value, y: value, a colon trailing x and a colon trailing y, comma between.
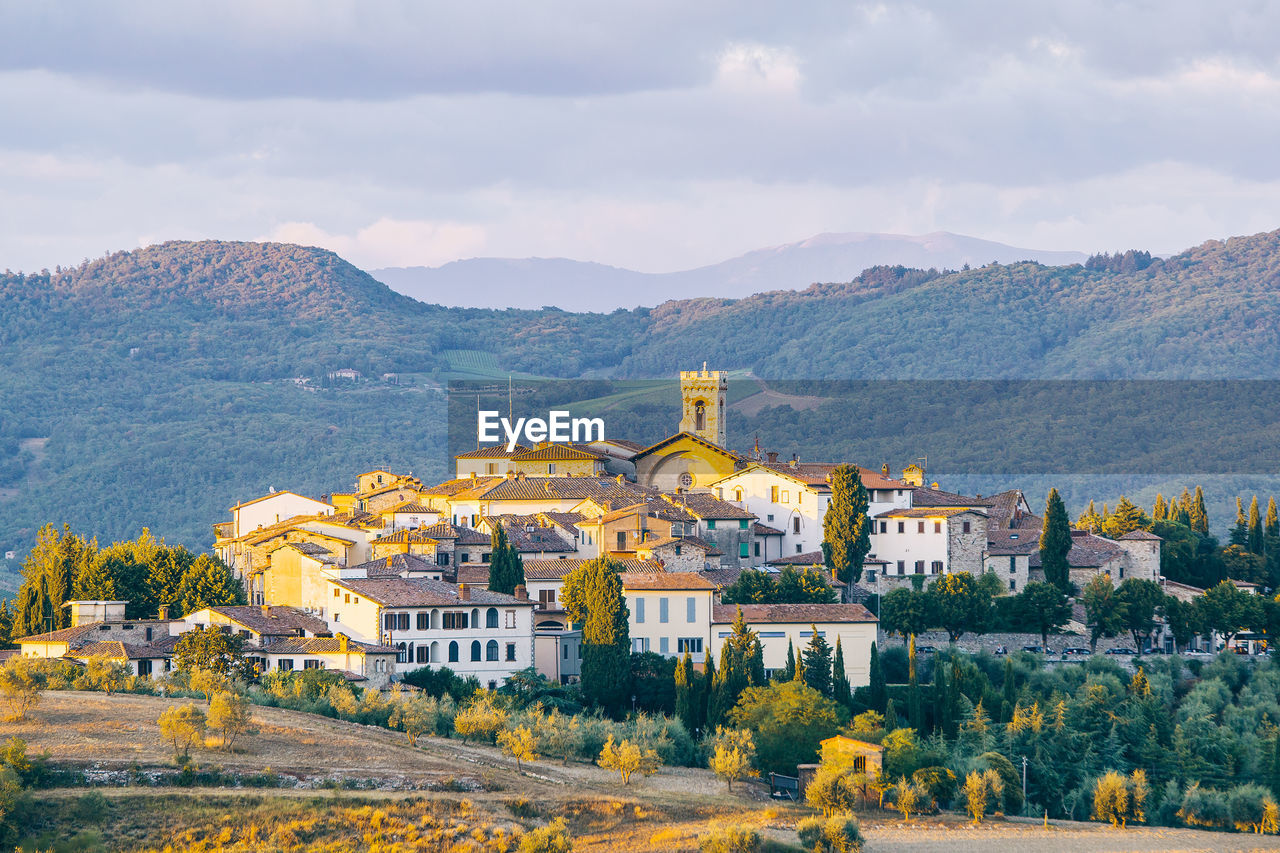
x: 273, y: 509
x: 780, y: 625
x: 670, y: 612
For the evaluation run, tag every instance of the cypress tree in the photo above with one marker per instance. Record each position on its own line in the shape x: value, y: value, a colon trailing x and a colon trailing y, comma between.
x: 686, y: 694
x: 506, y: 569
x: 789, y: 673
x: 953, y: 699
x: 1160, y: 512
x: 817, y: 663
x: 878, y: 691
x: 846, y: 530
x: 915, y: 713
x: 1198, y: 514
x: 706, y: 690
x: 1010, y: 694
x: 1275, y: 766
x: 1255, y: 527
x: 1272, y: 525
x: 939, y: 698
x: 6, y: 623
x: 592, y: 596
x: 840, y: 689
x: 1090, y: 520
x: 1240, y: 530
x: 890, y: 716
x: 1055, y: 542
x: 1179, y: 515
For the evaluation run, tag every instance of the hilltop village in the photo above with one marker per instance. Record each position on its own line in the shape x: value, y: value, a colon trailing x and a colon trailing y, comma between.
x: 394, y: 575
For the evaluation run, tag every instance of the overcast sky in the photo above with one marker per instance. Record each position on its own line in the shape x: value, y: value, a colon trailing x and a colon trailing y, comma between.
x: 653, y: 135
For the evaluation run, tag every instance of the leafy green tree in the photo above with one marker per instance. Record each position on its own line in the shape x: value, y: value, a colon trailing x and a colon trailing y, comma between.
x: 1127, y: 518
x: 752, y: 587
x: 690, y: 702
x: 210, y: 650
x: 1055, y: 542
x: 741, y: 666
x: 164, y: 578
x: 846, y: 530
x: 1228, y: 610
x: 1043, y: 606
x: 1160, y: 512
x: 959, y: 605
x: 1140, y: 600
x: 506, y: 568
x: 56, y: 560
x: 1183, y: 619
x: 593, y: 598
x: 789, y: 719
x: 208, y: 582
x: 789, y: 670
x: 1240, y: 530
x: 804, y: 586
x: 817, y: 663
x: 1104, y: 612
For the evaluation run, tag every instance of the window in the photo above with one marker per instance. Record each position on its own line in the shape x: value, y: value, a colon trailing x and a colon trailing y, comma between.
x: 859, y: 764
x: 795, y: 524
x: 937, y: 567
x: 424, y: 654
x: 639, y: 645
x: 663, y: 648
x: 737, y: 495
x: 786, y: 496
x: 677, y: 550
x: 424, y: 620
x: 491, y: 618
x: 691, y: 609
x: 1013, y: 584
x: 551, y: 467
x: 871, y: 575
x: 799, y: 548
x: 744, y: 549
x: 346, y: 599
x: 773, y: 495
x: 442, y: 558
x: 491, y: 650
x: 475, y: 650
x: 511, y: 618
x: 692, y: 645
x: 1013, y: 565
x: 662, y: 609
x: 622, y: 540
x: 902, y: 527
x: 389, y: 622
x: 336, y: 592
x: 484, y: 558
x: 884, y: 527
x: 699, y: 416
x: 491, y: 467
x: 511, y: 651
x: 285, y: 664
x: 919, y: 527
x: 639, y: 610
x: 244, y: 633
x: 711, y: 524
x: 144, y: 669
x: 312, y: 664
x: 769, y: 517
x: 404, y: 621
x: 965, y: 526
x: 565, y: 649
x: 919, y: 567
x: 757, y: 544
x: 454, y: 621
x: 453, y: 651
x: 937, y: 527
x: 547, y: 598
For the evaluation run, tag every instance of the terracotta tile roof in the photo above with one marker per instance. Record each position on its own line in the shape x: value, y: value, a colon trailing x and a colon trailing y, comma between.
x: 929, y: 512
x: 692, y: 541
x: 567, y: 520
x: 272, y: 619
x: 62, y: 635
x: 322, y: 645
x: 814, y: 474
x: 765, y: 530
x: 555, y: 569
x: 468, y: 536
x: 707, y: 505
x: 672, y: 439
x: 665, y: 580
x: 727, y: 576
x: 938, y: 497
x: 497, y: 451
x: 1009, y: 543
x: 810, y: 558
x: 407, y: 537
x: 653, y: 507
x: 116, y: 650
x: 522, y: 488
x: 224, y: 529
x: 559, y: 453
x: 311, y: 549
x: 530, y: 536
x: 408, y: 507
x: 633, y: 446
x: 452, y: 488
x: 791, y: 614
x: 270, y: 531
x: 268, y: 497
x: 442, y: 530
x: 422, y: 592
x: 1087, y: 551
x: 396, y: 565
x: 1140, y: 535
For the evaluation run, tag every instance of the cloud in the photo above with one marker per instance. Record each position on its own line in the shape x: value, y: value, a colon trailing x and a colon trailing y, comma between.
x: 757, y: 68
x: 389, y: 242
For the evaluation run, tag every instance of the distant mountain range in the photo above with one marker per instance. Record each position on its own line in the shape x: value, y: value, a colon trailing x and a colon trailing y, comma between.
x: 584, y: 286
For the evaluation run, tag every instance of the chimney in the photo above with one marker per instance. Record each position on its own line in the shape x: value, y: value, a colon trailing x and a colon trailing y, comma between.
x: 884, y: 469
x: 511, y: 473
x: 794, y: 460
x: 163, y: 613
x: 772, y: 456
x: 342, y: 642
x: 390, y: 560
x: 464, y: 592
x: 266, y: 610
x: 522, y: 593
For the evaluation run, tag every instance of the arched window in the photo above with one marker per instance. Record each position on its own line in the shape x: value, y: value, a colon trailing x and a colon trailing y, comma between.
x: 401, y: 653
x: 435, y: 652
x: 475, y: 650
x: 700, y: 415
x: 453, y: 652
x: 475, y: 618
x: 435, y: 620
x: 491, y: 650
x: 737, y: 495
x: 491, y: 618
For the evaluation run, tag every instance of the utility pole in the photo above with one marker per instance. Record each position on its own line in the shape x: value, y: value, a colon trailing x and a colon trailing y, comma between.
x: 1024, y: 784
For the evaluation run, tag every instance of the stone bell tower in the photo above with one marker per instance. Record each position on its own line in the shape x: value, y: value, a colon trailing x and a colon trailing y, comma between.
x: 703, y: 395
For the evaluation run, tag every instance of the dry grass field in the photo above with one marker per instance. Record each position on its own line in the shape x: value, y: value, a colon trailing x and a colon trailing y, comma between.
x: 444, y: 795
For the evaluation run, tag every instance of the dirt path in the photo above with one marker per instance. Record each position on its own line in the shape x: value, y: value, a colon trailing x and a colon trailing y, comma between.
x: 1076, y: 837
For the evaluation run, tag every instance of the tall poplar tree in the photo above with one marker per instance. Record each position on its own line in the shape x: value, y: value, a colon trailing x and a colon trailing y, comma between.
x: 1255, y: 527
x: 877, y: 690
x: 690, y: 704
x: 1160, y: 512
x: 1199, y: 515
x: 592, y: 597
x: 1055, y: 542
x: 1240, y: 530
x: 841, y: 691
x: 846, y: 530
x: 506, y: 568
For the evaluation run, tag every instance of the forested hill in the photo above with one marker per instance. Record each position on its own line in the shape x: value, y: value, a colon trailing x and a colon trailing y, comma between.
x: 154, y: 387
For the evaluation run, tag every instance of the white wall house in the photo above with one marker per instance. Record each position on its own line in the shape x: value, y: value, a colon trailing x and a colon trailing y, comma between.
x: 929, y: 541
x: 670, y: 612
x: 432, y: 623
x: 273, y: 509
x: 793, y: 498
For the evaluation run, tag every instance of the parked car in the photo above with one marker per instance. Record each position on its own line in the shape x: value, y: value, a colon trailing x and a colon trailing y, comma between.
x: 1035, y: 650
x: 925, y: 650
x: 1120, y: 650
x: 1197, y: 653
x: 1075, y: 651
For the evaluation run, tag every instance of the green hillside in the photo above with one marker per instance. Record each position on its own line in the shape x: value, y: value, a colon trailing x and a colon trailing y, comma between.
x: 159, y: 386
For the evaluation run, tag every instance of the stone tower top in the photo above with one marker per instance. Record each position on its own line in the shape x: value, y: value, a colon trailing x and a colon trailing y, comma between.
x: 703, y: 397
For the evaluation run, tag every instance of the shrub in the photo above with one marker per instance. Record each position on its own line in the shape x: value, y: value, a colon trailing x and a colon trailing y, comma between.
x: 518, y: 743
x: 417, y: 716
x: 732, y: 755
x: 939, y: 781
x: 441, y: 682
x: 559, y: 735
x: 730, y: 839
x: 183, y: 726
x: 104, y: 674
x: 909, y: 798
x: 552, y: 838
x: 627, y: 758
x: 21, y: 682
x: 1249, y: 805
x: 229, y: 717
x: 481, y: 719
x: 1205, y: 807
x: 830, y: 791
x: 839, y: 833
x: 982, y: 790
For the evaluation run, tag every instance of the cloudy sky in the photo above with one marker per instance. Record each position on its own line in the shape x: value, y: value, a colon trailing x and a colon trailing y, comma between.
x: 654, y: 135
